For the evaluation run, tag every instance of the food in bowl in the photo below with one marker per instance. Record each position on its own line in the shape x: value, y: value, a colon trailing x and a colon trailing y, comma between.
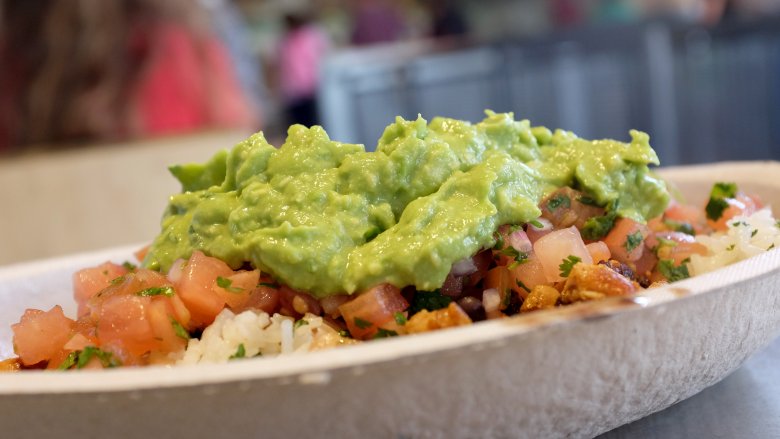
x: 319, y: 243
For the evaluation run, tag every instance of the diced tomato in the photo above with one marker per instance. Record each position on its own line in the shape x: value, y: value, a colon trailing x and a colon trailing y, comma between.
x: 741, y: 205
x: 553, y: 249
x: 122, y: 320
x: 626, y: 240
x: 162, y: 321
x: 197, y: 287
x: 676, y: 246
x: 686, y: 214
x: 372, y: 309
x: 264, y: 298
x: 89, y: 281
x: 238, y: 288
x: 40, y: 335
x: 501, y: 279
x: 296, y: 303
x: 527, y: 275
x: 598, y: 251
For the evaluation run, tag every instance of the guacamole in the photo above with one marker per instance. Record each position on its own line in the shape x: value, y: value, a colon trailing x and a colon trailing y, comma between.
x: 330, y: 218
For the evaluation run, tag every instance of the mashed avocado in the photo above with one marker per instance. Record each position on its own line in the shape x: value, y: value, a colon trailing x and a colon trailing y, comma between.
x: 329, y: 217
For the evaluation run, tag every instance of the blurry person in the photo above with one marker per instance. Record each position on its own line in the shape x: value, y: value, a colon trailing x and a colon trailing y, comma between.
x: 90, y: 70
x: 376, y: 21
x: 300, y: 51
x: 447, y: 19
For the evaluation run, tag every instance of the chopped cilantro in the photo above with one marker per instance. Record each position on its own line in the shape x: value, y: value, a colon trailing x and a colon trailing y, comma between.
x: 80, y: 359
x: 633, y: 240
x: 753, y: 233
x: 299, y: 323
x: 597, y: 227
x: 430, y: 300
x: 117, y: 280
x: 129, y: 266
x: 400, y: 318
x: 522, y: 285
x: 557, y: 201
x: 69, y: 361
x: 672, y: 273
x: 738, y: 223
x: 771, y: 247
x: 588, y: 201
x: 680, y: 226
x: 166, y: 291
x: 362, y: 324
x: 568, y: 264
x: 240, y: 352
x: 384, y: 333
x: 731, y: 247
x: 499, y: 241
x: 536, y: 224
x: 227, y: 285
x: 717, y: 203
x: 506, y: 299
x: 179, y: 329
x: 518, y: 257
x: 345, y: 334
x: 268, y: 284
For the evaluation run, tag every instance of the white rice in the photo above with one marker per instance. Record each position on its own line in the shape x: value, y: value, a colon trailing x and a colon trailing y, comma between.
x: 746, y: 236
x: 259, y: 333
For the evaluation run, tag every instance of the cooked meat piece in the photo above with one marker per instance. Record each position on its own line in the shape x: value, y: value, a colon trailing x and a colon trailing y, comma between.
x: 448, y: 317
x: 592, y: 282
x: 10, y: 365
x: 620, y: 268
x: 540, y: 297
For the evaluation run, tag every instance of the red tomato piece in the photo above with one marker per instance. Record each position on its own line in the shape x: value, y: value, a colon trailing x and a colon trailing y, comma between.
x: 89, y: 281
x: 372, y: 309
x: 40, y: 335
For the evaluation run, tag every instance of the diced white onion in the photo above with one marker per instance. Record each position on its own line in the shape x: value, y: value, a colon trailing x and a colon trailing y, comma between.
x: 464, y: 267
x: 491, y: 299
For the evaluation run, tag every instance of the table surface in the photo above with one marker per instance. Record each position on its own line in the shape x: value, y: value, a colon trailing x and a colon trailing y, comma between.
x: 744, y: 405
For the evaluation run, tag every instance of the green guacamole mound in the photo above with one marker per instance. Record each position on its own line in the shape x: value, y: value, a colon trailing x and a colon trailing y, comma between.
x: 330, y: 218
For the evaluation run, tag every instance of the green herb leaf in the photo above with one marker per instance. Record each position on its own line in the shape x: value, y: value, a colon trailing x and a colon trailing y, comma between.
x: 770, y: 247
x: 672, y: 273
x: 753, y: 233
x: 362, y: 324
x: 240, y: 352
x: 400, y: 318
x: 536, y: 224
x: 166, y: 291
x: 717, y: 203
x: 344, y: 333
x: 568, y: 264
x: 179, y: 329
x: 731, y: 247
x: 117, y: 280
x: 384, y: 333
x: 268, y: 284
x: 226, y: 284
x: 499, y: 241
x: 69, y: 361
x: 430, y: 300
x: 558, y: 201
x: 129, y: 266
x: 299, y: 323
x: 81, y: 358
x: 633, y: 240
x: 680, y: 226
x: 522, y: 285
x: 598, y: 227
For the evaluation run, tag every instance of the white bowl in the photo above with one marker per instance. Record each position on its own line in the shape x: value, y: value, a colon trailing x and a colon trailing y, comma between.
x: 571, y: 372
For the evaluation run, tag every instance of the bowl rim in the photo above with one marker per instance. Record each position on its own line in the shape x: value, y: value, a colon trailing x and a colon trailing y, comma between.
x: 320, y: 364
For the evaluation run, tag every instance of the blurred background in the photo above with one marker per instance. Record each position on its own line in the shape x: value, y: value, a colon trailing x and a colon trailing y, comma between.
x: 97, y: 97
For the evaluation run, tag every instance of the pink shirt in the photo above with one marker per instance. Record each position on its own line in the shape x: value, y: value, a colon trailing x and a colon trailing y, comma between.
x: 300, y: 53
